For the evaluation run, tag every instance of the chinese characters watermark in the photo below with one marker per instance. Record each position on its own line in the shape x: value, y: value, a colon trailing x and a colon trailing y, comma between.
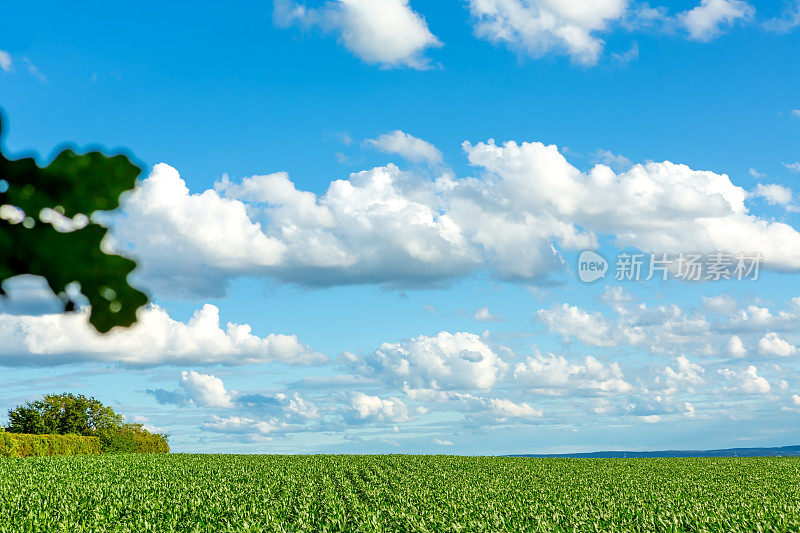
x: 714, y: 266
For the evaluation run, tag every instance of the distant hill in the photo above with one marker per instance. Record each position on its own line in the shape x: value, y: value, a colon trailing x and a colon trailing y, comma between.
x: 782, y: 451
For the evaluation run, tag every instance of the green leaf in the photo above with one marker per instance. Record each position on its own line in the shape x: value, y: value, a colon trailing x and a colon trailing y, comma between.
x: 73, y: 184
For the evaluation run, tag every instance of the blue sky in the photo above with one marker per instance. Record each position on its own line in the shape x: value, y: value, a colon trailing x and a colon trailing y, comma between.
x: 389, y: 199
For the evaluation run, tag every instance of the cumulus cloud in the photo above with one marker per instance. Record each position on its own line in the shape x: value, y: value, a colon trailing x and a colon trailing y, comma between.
x: 407, y: 146
x: 442, y: 442
x: 484, y: 315
x: 736, y: 347
x: 375, y: 409
x: 774, y: 194
x: 618, y: 162
x: 447, y: 361
x: 655, y: 207
x: 708, y: 19
x: 755, y: 318
x: 155, y: 340
x: 538, y: 27
x: 724, y: 304
x: 686, y: 375
x: 730, y: 331
x: 383, y: 32
x: 772, y: 344
x: 393, y: 227
x: 295, y: 406
x: 572, y: 321
x: 31, y: 295
x: 747, y: 381
x: 186, y: 239
x: 554, y: 374
x: 505, y: 409
x: 251, y: 428
x: 206, y: 390
x: 377, y: 227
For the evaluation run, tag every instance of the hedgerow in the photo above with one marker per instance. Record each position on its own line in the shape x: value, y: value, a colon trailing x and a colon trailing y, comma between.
x: 72, y: 424
x: 21, y: 445
x: 126, y: 439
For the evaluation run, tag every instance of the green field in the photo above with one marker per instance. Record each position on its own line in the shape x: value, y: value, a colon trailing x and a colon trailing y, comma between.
x: 396, y: 493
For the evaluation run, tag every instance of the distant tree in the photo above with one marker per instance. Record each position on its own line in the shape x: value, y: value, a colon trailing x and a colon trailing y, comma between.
x: 72, y: 185
x: 63, y: 414
x: 132, y: 438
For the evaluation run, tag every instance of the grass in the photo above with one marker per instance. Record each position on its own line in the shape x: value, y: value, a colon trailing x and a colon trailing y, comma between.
x: 396, y: 493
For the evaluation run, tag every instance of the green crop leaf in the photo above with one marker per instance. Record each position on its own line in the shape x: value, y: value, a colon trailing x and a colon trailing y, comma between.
x: 74, y: 186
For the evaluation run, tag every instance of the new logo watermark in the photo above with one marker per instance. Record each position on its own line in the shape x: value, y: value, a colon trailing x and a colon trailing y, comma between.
x: 714, y: 266
x: 591, y: 266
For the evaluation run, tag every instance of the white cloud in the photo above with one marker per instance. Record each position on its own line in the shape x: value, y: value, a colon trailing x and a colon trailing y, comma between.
x: 794, y: 167
x: 484, y: 315
x: 554, y: 374
x: 441, y: 442
x: 670, y: 330
x: 707, y: 20
x: 379, y: 226
x: 297, y: 406
x: 772, y: 344
x: 624, y: 58
x: 654, y: 207
x: 236, y: 425
x: 618, y: 162
x: 185, y: 239
x: 786, y: 23
x: 507, y: 409
x: 736, y: 347
x: 571, y: 321
x: 5, y: 61
x: 376, y: 409
x: 539, y: 27
x: 383, y: 32
x: 33, y: 70
x: 720, y: 304
x: 156, y: 339
x: 447, y: 361
x: 774, y: 194
x: 746, y: 381
x: 687, y: 375
x: 407, y: 146
x: 206, y: 390
x: 616, y: 295
x: 393, y: 227
x: 31, y: 295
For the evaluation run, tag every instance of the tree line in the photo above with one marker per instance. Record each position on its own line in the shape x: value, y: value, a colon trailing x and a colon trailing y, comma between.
x: 77, y: 415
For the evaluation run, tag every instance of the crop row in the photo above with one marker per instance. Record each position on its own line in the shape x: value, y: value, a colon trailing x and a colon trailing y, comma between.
x: 394, y: 493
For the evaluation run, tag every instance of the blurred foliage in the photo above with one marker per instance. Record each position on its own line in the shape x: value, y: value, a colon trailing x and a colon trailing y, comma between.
x: 72, y: 185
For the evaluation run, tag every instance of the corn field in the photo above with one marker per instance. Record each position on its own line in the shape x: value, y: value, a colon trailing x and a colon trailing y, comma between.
x: 396, y: 493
